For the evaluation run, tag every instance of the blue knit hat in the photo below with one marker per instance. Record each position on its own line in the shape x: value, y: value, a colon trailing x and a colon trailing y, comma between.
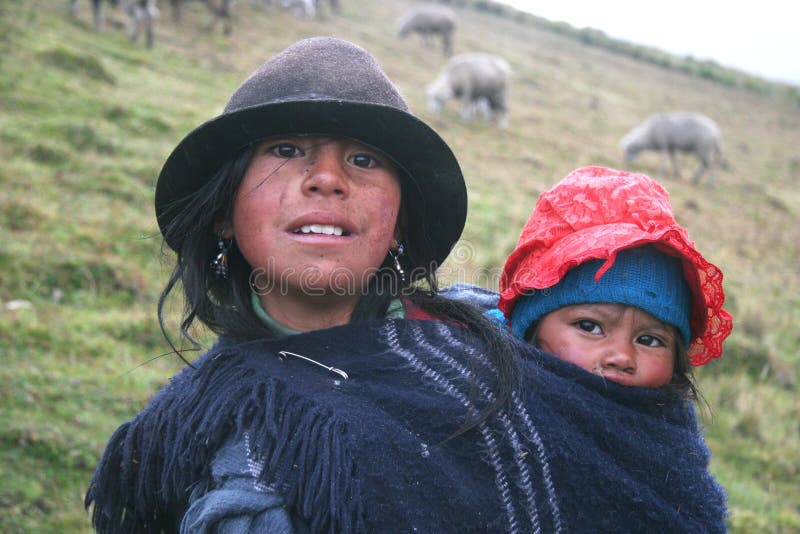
x: 642, y: 277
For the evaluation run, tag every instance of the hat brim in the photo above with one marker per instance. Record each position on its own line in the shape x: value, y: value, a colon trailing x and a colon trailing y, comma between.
x: 431, y: 174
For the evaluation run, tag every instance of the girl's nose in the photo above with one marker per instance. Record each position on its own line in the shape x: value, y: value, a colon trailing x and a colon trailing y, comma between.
x: 326, y: 173
x: 619, y: 356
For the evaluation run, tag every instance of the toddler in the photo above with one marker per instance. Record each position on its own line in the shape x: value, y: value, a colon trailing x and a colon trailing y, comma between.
x: 605, y: 278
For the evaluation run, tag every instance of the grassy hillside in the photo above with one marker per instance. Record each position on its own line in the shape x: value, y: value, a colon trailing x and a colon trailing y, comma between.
x: 87, y: 119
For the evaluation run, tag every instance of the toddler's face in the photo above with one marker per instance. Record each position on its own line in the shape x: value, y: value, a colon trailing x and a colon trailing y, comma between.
x: 622, y: 343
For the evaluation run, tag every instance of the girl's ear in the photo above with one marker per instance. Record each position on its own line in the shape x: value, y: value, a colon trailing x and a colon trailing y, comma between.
x: 223, y: 229
x: 397, y: 238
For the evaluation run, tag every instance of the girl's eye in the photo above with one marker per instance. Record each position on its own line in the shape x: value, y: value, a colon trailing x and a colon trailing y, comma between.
x: 363, y: 160
x: 589, y: 326
x: 651, y: 341
x: 285, y: 150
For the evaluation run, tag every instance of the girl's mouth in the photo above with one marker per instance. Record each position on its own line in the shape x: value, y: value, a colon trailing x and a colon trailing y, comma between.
x: 324, y: 229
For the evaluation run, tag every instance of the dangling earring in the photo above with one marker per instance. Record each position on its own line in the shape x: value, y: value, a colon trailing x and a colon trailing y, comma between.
x: 396, y: 257
x: 220, y: 263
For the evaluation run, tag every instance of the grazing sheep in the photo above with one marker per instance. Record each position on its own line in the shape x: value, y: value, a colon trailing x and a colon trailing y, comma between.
x: 672, y: 132
x: 429, y: 21
x: 480, y: 80
x: 142, y: 14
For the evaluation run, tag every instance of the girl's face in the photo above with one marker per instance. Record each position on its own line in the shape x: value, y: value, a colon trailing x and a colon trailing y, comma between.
x: 622, y: 343
x: 315, y: 216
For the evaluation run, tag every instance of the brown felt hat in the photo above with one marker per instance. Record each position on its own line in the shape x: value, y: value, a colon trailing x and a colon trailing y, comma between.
x: 324, y: 85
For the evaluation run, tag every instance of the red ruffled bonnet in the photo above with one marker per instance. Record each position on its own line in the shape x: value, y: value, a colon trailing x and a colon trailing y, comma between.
x: 595, y: 212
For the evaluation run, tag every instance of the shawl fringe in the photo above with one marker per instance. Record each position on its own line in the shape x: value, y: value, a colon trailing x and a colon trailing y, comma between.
x: 154, y: 459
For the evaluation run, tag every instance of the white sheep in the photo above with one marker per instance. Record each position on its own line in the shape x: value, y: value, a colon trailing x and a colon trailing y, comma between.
x: 428, y: 21
x: 481, y: 81
x: 669, y: 133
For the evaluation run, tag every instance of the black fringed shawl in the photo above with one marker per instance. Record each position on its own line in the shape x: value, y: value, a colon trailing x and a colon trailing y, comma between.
x: 572, y: 454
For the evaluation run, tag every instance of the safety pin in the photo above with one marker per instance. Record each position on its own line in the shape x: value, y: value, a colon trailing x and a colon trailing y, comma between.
x: 284, y: 353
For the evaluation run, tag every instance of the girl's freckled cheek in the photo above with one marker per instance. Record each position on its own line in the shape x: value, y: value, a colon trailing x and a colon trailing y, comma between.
x: 389, y: 214
x: 282, y: 197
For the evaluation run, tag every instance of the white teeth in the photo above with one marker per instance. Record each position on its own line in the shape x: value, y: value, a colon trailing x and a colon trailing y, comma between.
x: 326, y: 229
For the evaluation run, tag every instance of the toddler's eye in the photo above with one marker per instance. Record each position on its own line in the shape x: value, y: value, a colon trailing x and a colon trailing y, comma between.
x: 589, y: 326
x: 651, y: 341
x: 285, y: 150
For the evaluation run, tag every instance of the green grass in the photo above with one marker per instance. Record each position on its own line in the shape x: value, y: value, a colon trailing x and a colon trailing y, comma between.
x: 87, y: 119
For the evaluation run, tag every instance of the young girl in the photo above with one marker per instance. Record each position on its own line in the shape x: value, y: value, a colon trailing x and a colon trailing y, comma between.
x: 316, y: 200
x: 605, y: 278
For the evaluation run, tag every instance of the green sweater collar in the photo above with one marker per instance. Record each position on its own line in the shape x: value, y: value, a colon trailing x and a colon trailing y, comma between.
x: 396, y: 310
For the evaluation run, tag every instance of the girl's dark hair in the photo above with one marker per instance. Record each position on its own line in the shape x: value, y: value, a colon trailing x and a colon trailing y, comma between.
x: 224, y: 306
x: 683, y: 381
